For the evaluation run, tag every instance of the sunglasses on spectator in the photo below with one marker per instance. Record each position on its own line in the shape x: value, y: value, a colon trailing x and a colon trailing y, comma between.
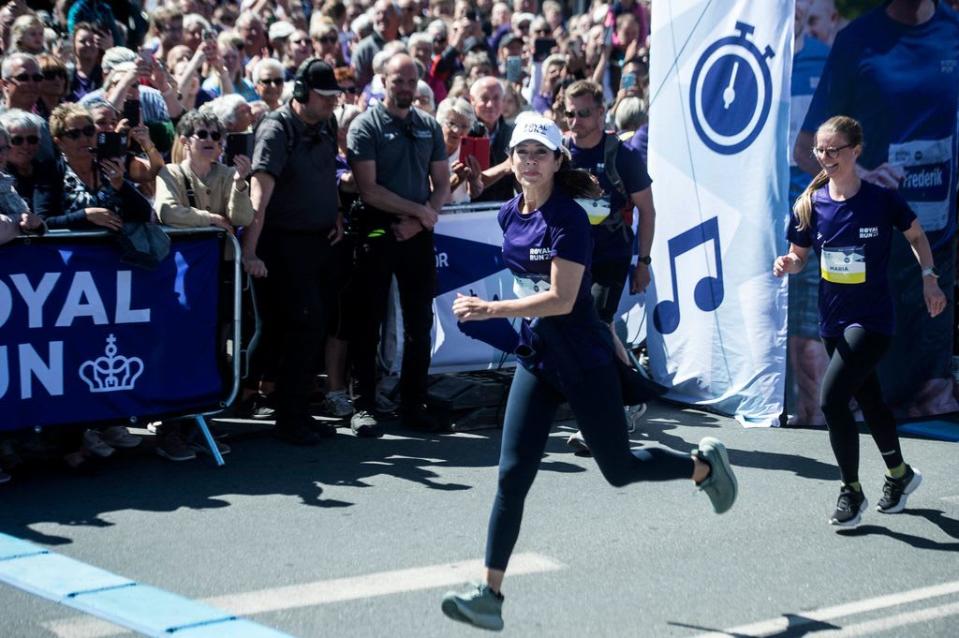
x: 302, y: 41
x: 831, y: 152
x: 28, y: 77
x: 76, y: 133
x: 580, y: 113
x: 213, y: 135
x: 273, y: 81
x: 18, y: 140
x: 440, y: 39
x: 54, y: 74
x: 352, y: 90
x: 328, y: 39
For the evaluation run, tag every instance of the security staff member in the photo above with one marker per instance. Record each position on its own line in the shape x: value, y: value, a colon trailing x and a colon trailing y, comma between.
x: 288, y: 245
x: 396, y: 152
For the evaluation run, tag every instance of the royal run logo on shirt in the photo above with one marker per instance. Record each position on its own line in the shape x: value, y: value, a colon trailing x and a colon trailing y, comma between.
x: 539, y: 254
x: 868, y: 232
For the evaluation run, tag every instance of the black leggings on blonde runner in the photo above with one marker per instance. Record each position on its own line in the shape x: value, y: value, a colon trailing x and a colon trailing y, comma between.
x: 851, y: 374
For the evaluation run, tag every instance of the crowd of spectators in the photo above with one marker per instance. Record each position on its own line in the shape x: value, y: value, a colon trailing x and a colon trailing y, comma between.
x: 175, y: 78
x: 172, y: 80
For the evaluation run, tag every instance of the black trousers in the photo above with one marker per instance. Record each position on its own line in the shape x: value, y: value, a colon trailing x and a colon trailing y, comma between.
x: 851, y: 373
x: 293, y: 301
x: 413, y: 263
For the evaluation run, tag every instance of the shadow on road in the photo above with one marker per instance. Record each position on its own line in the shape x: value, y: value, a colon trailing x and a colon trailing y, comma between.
x: 260, y: 466
x: 949, y: 526
x: 798, y: 626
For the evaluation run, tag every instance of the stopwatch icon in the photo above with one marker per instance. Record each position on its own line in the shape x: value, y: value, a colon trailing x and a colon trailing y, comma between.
x: 731, y: 92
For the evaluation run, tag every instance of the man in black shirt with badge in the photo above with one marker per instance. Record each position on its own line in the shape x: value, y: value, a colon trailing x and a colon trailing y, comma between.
x: 287, y: 247
x: 396, y: 152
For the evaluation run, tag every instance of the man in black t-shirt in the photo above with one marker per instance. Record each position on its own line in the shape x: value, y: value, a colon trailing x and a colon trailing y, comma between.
x: 287, y: 247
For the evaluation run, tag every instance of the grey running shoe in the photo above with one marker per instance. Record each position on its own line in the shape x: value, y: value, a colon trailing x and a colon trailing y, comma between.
x: 365, y: 424
x: 849, y: 508
x: 896, y: 491
x: 720, y: 486
x: 477, y: 606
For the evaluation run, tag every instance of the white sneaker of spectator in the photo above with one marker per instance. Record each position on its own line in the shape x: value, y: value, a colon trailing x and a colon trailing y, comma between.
x: 96, y: 445
x: 119, y: 436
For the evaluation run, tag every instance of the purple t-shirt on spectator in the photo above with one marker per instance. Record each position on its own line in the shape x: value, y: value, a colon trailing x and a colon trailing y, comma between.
x: 613, y: 243
x: 559, y: 228
x: 853, y: 238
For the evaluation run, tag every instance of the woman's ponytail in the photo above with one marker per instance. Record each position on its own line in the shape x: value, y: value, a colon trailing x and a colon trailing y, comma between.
x: 803, y: 206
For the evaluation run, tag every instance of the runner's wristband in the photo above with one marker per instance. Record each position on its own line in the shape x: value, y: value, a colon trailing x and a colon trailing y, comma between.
x: 930, y: 271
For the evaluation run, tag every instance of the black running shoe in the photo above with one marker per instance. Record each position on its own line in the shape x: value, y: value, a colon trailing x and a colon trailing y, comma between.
x: 896, y: 491
x: 849, y: 508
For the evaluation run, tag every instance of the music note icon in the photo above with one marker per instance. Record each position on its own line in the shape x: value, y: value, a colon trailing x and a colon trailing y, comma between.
x: 708, y: 293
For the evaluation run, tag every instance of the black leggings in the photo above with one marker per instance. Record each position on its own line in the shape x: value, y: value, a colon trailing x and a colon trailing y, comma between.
x: 598, y: 405
x: 851, y: 373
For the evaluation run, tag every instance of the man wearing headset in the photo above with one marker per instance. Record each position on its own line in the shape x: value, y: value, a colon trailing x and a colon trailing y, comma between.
x: 287, y: 247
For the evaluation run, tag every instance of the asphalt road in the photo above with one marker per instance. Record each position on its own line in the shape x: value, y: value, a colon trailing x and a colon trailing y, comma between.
x: 389, y: 520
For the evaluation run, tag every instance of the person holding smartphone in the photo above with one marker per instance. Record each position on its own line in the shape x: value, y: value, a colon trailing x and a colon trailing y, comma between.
x: 84, y: 191
x: 455, y: 116
x: 200, y: 191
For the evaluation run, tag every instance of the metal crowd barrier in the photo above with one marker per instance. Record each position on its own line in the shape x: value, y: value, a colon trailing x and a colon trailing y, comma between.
x: 237, y: 353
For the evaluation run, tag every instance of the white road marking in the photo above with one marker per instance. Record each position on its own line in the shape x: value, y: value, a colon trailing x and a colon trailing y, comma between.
x: 327, y: 591
x: 951, y: 499
x: 782, y: 623
x: 872, y: 627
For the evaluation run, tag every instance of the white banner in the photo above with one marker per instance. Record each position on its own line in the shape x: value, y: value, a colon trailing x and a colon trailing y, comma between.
x: 469, y: 261
x: 719, y: 159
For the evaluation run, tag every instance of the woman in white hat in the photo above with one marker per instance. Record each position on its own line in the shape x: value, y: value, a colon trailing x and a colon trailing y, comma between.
x: 566, y: 354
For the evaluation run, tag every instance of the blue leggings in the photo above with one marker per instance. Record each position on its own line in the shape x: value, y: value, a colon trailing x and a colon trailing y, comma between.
x: 598, y: 405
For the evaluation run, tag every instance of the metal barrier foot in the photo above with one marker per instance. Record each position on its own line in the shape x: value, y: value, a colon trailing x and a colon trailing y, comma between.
x: 214, y: 449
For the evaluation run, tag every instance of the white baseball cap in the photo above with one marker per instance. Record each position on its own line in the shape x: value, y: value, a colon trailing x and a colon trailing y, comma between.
x: 532, y: 126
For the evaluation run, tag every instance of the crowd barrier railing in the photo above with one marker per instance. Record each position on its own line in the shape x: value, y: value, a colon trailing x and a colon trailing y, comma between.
x: 86, y: 339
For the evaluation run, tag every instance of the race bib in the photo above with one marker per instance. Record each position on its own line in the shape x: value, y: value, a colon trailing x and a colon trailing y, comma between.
x: 927, y: 185
x: 524, y: 286
x: 843, y: 265
x: 596, y: 209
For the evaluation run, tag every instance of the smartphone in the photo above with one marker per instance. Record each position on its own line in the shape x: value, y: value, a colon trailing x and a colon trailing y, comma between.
x: 237, y: 144
x: 478, y: 147
x: 514, y: 68
x: 131, y: 112
x: 147, y: 61
x: 542, y: 47
x: 111, y: 145
x: 628, y: 82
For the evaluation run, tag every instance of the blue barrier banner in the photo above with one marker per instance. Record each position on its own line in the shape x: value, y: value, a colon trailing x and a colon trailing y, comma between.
x: 85, y: 338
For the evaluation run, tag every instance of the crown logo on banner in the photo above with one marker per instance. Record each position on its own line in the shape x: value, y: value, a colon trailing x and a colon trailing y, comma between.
x: 111, y: 372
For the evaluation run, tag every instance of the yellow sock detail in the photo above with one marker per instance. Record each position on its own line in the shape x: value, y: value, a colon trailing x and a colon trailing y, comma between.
x: 897, y: 472
x: 857, y: 486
